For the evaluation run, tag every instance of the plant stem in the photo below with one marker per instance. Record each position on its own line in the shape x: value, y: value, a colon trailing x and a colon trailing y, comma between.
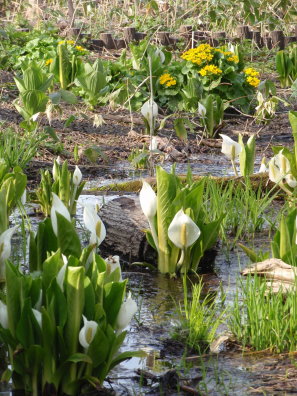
x: 234, y: 167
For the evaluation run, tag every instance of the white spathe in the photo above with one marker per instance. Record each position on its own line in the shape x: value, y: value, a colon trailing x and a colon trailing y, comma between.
x: 148, y: 200
x: 24, y: 197
x: 61, y: 276
x: 77, y: 176
x: 38, y: 316
x: 230, y: 148
x: 58, y: 207
x: 149, y: 110
x: 114, y: 262
x: 182, y: 231
x: 3, y: 315
x: 160, y: 54
x: 94, y: 224
x: 126, y: 313
x: 263, y: 167
x: 87, y: 332
x: 5, y: 243
x: 280, y: 170
x: 201, y: 110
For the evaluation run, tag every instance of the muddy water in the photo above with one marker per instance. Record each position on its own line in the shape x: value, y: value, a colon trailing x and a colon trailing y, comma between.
x: 229, y: 373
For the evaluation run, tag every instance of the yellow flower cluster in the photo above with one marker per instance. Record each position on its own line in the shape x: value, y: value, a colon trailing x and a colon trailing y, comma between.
x: 253, y: 81
x: 167, y: 79
x: 48, y: 61
x: 233, y: 58
x: 70, y: 42
x: 199, y: 55
x: 251, y: 72
x: 79, y: 48
x: 210, y: 69
x: 251, y: 76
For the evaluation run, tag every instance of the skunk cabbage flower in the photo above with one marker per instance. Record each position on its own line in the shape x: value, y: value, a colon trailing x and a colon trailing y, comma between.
x: 126, y: 313
x: 114, y: 262
x: 87, y: 332
x: 24, y: 197
x: 55, y: 170
x: 94, y: 224
x: 58, y: 207
x: 149, y: 110
x: 263, y: 167
x: 38, y: 316
x: 280, y: 169
x: 77, y: 176
x: 201, y: 110
x: 182, y: 231
x: 5, y: 243
x: 160, y: 54
x: 61, y: 274
x: 230, y: 148
x: 148, y: 200
x: 3, y: 315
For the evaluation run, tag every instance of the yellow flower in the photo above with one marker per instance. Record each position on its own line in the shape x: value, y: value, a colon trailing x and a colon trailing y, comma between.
x: 199, y: 55
x: 233, y: 58
x: 253, y: 81
x: 251, y: 72
x: 210, y: 69
x: 61, y: 42
x: 167, y: 79
x: 79, y: 48
x: 70, y: 42
x: 48, y: 61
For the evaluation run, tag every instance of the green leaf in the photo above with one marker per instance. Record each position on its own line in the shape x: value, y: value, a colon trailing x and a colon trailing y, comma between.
x: 113, y: 297
x: 99, y: 348
x: 74, y: 284
x: 180, y: 129
x: 80, y: 357
x: 68, y: 239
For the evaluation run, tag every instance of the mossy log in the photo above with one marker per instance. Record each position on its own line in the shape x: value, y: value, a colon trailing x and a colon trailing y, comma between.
x: 257, y: 181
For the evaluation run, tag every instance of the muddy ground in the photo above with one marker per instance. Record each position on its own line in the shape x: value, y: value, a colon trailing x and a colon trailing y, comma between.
x: 116, y: 136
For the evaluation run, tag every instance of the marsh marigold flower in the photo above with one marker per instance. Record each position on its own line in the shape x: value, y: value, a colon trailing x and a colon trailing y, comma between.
x: 251, y: 72
x: 48, y: 61
x: 167, y: 79
x: 210, y: 69
x: 253, y: 81
x: 198, y: 55
x: 79, y: 48
x: 233, y: 58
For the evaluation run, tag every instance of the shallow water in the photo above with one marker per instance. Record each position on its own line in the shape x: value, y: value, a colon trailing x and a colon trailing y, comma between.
x: 202, y: 164
x: 158, y: 297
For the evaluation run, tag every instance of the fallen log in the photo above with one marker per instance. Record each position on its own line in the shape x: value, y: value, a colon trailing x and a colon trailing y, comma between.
x: 257, y: 180
x: 125, y: 225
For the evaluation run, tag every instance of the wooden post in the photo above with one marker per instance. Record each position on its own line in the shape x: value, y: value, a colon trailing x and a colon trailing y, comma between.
x: 140, y: 36
x: 120, y: 43
x: 244, y: 32
x: 107, y: 40
x: 278, y: 39
x: 97, y: 45
x: 164, y: 38
x: 256, y: 36
x: 129, y: 34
